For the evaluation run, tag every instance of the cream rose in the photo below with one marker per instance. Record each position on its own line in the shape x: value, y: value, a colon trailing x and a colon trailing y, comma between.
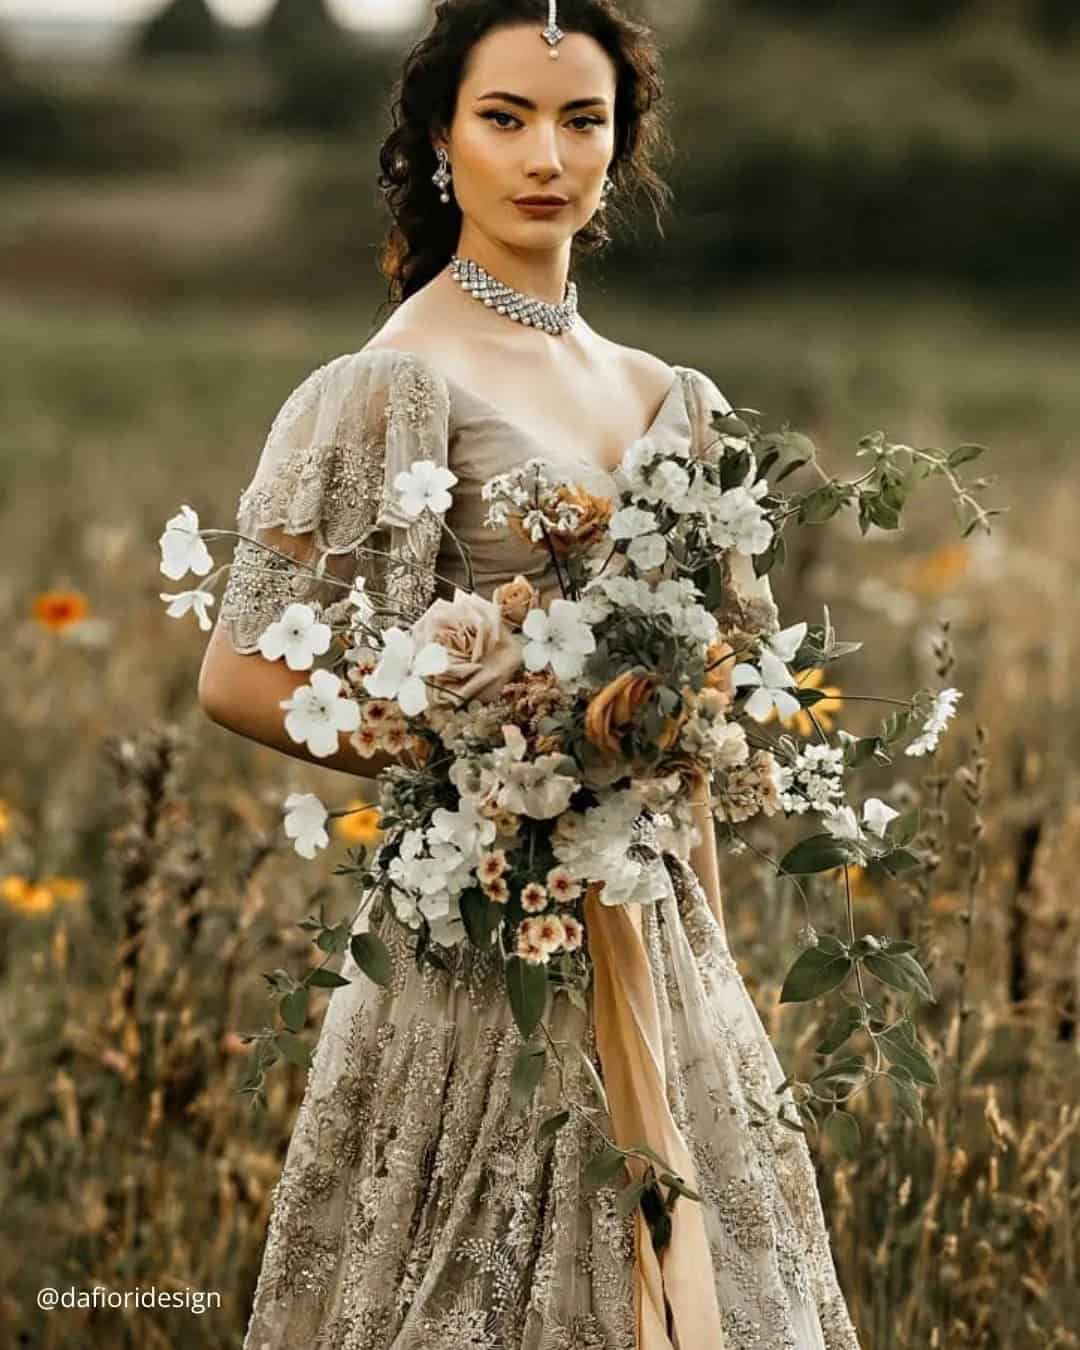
x: 515, y: 598
x: 483, y: 652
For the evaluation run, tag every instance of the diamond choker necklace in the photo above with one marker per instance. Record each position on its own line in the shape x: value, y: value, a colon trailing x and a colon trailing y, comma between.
x: 505, y: 300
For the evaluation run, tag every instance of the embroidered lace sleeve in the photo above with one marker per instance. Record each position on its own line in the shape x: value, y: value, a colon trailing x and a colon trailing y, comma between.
x: 321, y: 497
x: 748, y: 606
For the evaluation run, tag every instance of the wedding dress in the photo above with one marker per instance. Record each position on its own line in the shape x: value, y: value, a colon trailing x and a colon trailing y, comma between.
x: 415, y: 1209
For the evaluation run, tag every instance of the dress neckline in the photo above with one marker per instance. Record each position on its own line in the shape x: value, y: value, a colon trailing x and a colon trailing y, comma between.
x: 661, y: 413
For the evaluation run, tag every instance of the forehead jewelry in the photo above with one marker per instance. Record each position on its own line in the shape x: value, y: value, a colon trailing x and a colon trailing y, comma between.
x: 552, y: 34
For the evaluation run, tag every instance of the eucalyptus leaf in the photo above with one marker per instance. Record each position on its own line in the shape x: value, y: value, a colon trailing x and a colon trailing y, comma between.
x: 293, y: 1009
x: 843, y: 1129
x: 372, y: 955
x: 526, y: 986
x: 526, y: 1073
x: 602, y: 1168
x: 813, y: 974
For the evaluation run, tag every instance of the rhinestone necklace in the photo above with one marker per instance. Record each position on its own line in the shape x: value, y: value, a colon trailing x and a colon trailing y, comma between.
x: 505, y: 300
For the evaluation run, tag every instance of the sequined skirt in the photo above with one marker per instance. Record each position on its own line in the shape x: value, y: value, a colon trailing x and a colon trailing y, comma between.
x: 417, y: 1210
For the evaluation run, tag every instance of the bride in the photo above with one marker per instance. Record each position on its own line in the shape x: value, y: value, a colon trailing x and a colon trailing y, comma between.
x: 417, y: 1209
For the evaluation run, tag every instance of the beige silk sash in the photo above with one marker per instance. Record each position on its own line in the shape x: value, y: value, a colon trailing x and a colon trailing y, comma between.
x: 631, y: 1051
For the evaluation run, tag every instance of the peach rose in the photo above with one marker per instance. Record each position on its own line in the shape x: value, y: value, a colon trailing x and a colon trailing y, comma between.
x: 613, y: 709
x: 719, y: 677
x: 483, y: 652
x: 515, y: 598
x: 593, y: 515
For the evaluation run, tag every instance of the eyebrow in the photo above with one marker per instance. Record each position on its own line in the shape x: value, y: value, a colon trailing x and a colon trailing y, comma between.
x: 528, y: 103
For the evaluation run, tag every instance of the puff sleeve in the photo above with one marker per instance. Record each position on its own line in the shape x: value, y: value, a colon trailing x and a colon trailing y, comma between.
x: 321, y: 496
x: 748, y: 606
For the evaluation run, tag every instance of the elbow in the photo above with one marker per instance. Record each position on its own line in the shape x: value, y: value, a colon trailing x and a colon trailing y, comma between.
x: 209, y: 691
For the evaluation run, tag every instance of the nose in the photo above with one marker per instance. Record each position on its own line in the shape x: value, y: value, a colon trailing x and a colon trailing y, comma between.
x: 543, y: 155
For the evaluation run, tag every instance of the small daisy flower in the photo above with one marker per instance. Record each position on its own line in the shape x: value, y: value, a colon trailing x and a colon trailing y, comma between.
x: 550, y: 932
x: 497, y: 891
x: 574, y: 931
x: 562, y: 885
x: 492, y: 865
x: 533, y: 898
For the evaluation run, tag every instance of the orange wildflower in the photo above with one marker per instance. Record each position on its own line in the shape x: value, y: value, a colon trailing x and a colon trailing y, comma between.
x: 57, y: 610
x: 361, y: 826
x: 800, y: 722
x: 27, y: 897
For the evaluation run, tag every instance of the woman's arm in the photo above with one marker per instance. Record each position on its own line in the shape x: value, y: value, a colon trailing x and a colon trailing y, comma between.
x: 243, y: 693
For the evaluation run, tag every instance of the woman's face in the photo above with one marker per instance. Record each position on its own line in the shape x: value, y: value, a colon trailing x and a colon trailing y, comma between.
x: 525, y: 125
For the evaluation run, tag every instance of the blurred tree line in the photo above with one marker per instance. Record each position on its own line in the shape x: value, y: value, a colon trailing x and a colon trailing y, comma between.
x: 809, y: 141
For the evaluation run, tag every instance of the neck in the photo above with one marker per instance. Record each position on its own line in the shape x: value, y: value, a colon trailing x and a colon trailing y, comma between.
x: 540, y: 274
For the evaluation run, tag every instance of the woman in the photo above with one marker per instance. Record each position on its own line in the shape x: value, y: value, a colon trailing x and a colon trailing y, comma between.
x: 417, y: 1209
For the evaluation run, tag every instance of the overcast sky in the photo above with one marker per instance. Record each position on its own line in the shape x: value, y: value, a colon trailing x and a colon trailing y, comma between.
x: 361, y: 13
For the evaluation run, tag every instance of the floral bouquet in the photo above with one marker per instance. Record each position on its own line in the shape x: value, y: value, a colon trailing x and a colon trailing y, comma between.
x: 533, y: 739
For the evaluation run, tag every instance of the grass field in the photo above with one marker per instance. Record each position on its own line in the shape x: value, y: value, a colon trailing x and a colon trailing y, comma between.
x: 130, y: 1158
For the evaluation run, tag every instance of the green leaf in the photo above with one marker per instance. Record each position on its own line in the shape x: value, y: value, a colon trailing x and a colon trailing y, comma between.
x: 479, y: 916
x: 552, y: 1125
x: 594, y: 1077
x: 602, y: 1167
x: 903, y: 829
x: 327, y: 979
x: 526, y: 985
x: 629, y: 1198
x: 527, y: 1071
x: 790, y: 468
x: 901, y: 972
x: 963, y: 453
x: 293, y: 1049
x: 902, y: 1048
x: 907, y: 1096
x: 839, y: 1030
x: 813, y: 974
x: 293, y: 1009
x: 899, y: 860
x: 372, y: 955
x: 679, y: 1186
x: 843, y: 1129
x: 817, y: 853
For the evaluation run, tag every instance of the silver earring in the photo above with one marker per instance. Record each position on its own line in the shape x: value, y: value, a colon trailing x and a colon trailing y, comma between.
x: 609, y: 188
x: 441, y: 176
x: 552, y: 34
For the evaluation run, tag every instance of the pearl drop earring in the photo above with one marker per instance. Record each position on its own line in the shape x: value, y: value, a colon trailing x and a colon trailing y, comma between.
x: 441, y: 176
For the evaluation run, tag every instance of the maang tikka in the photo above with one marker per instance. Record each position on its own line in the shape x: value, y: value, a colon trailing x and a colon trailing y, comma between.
x: 552, y: 34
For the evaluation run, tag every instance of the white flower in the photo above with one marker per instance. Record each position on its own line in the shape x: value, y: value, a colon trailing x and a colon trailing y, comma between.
x: 943, y: 709
x: 399, y: 674
x: 648, y: 549
x: 298, y: 636
x: 843, y: 824
x: 787, y: 642
x: 876, y: 815
x: 466, y: 828
x: 559, y: 638
x: 361, y: 603
x: 317, y: 714
x: 305, y: 823
x: 179, y: 604
x: 424, y: 487
x: 182, y: 547
x: 774, y: 679
x: 736, y: 521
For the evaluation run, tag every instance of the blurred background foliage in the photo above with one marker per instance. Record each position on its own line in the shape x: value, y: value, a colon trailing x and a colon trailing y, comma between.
x: 874, y: 227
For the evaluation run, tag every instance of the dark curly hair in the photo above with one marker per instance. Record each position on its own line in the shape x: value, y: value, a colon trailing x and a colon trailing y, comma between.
x: 425, y: 231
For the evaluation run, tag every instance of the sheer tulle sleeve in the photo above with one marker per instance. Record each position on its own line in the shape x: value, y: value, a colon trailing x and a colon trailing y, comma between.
x: 748, y: 606
x: 321, y: 496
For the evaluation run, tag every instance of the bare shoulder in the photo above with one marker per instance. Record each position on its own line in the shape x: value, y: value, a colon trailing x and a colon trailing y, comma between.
x: 640, y: 370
